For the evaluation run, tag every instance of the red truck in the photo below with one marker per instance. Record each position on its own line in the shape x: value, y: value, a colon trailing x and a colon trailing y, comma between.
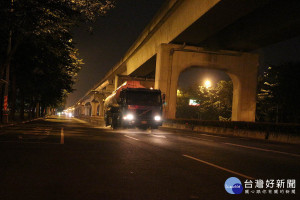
x: 133, y: 105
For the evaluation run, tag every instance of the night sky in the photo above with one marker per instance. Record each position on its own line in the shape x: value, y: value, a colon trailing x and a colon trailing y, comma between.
x: 114, y: 34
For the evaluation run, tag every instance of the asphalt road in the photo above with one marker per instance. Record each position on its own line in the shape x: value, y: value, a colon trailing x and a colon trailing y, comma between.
x: 64, y: 158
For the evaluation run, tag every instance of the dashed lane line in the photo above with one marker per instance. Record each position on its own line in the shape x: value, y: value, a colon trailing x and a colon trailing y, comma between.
x: 62, y: 136
x: 159, y: 136
x: 131, y: 137
x: 219, y: 167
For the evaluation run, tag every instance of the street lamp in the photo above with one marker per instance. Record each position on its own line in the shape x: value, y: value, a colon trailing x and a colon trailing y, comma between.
x: 207, y: 83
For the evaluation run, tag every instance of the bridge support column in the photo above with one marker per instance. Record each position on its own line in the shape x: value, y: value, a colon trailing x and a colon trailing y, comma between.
x: 101, y: 109
x: 82, y: 110
x: 94, y: 104
x: 163, y: 76
x: 172, y: 59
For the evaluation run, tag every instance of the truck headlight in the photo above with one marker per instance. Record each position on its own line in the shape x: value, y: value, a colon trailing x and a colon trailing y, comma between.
x: 128, y: 117
x: 157, y: 118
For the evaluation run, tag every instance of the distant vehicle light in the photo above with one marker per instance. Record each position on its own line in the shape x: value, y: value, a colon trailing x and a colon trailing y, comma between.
x: 70, y: 114
x: 128, y: 117
x: 157, y: 118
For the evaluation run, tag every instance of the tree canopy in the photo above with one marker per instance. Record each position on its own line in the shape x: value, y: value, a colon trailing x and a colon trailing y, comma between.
x: 213, y: 103
x: 36, y: 42
x: 279, y: 93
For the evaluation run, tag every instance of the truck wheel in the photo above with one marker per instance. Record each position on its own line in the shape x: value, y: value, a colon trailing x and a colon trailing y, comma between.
x: 154, y: 127
x: 109, y: 121
x: 143, y: 127
x: 114, y: 124
x: 106, y: 121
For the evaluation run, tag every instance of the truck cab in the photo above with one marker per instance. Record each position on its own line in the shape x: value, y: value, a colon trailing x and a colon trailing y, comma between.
x: 135, y: 107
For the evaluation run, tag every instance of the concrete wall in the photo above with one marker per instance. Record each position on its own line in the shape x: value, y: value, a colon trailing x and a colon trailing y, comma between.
x: 278, y: 137
x: 241, y: 67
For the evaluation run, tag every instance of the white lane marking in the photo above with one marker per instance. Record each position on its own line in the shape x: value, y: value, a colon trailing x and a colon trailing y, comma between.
x: 62, y: 137
x: 213, y: 135
x: 131, y: 137
x: 219, y: 167
x: 260, y: 149
x: 197, y: 138
x: 159, y: 136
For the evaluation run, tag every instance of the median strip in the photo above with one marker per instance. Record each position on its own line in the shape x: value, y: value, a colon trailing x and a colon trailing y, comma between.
x: 219, y: 167
x: 260, y: 149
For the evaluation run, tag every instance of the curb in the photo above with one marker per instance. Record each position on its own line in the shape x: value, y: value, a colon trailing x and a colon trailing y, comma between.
x: 234, y: 133
x: 24, y: 122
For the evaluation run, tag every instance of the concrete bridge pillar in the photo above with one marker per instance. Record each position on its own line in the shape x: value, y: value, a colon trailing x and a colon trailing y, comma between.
x: 163, y: 75
x: 88, y: 109
x: 81, y: 111
x: 94, y: 104
x: 172, y: 59
x: 101, y: 108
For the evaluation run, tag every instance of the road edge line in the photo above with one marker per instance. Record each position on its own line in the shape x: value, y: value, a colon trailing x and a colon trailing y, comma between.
x: 261, y: 149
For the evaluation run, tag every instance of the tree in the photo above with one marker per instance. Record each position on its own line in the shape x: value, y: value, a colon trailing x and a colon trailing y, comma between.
x: 224, y: 92
x: 278, y: 94
x: 214, y: 103
x: 41, y: 46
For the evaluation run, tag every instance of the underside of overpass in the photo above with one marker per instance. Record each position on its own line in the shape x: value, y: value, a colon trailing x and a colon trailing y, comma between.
x: 238, y: 25
x: 261, y: 23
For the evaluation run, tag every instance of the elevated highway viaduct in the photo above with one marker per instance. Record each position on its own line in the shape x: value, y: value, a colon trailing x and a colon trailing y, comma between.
x: 214, y: 34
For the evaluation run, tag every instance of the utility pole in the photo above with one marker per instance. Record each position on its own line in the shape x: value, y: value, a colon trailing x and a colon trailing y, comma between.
x: 5, y: 101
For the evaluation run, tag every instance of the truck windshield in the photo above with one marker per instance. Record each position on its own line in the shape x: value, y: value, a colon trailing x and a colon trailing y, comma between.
x: 143, y: 98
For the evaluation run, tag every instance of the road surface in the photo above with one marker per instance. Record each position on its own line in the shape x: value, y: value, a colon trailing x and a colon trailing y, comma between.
x: 64, y: 158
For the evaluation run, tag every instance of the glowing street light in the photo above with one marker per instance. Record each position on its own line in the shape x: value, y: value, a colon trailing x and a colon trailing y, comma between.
x: 207, y: 83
